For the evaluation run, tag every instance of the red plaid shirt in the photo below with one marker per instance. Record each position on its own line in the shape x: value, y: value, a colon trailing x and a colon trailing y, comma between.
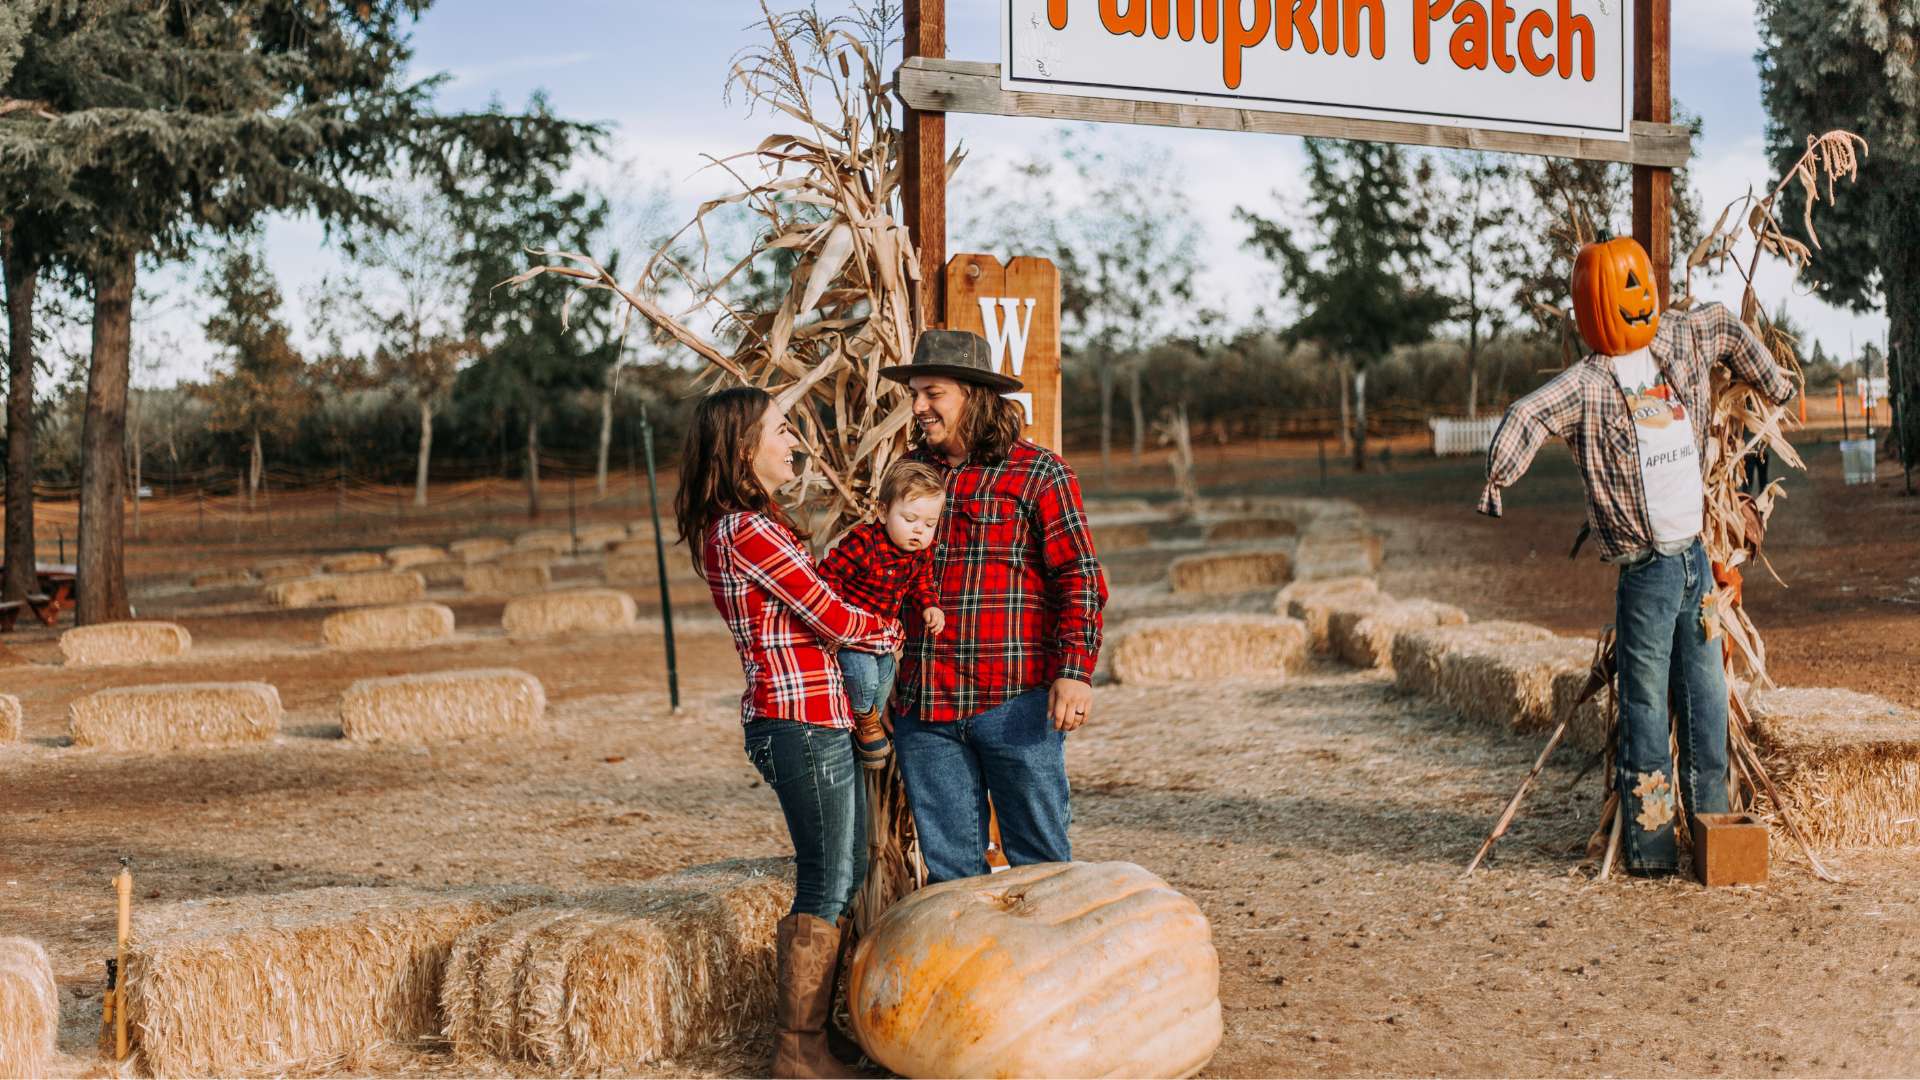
x: 1016, y: 575
x: 786, y: 622
x: 874, y: 574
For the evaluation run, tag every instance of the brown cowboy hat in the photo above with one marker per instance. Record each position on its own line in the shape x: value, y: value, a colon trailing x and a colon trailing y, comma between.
x: 957, y: 354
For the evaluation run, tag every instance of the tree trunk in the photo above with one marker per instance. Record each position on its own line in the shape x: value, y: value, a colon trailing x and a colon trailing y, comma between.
x: 22, y: 273
x: 1346, y: 410
x: 253, y: 470
x: 1901, y: 283
x: 1360, y: 419
x: 133, y: 449
x: 1473, y: 368
x: 606, y: 437
x: 426, y: 453
x: 533, y: 464
x: 1139, y: 412
x: 102, y: 587
x: 1106, y: 417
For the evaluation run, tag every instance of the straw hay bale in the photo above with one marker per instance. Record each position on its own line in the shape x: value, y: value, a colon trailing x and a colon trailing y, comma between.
x: 311, y: 980
x: 446, y: 574
x: 551, y: 541
x: 500, y: 578
x: 1417, y: 653
x: 442, y: 705
x: 1173, y: 649
x: 414, y: 554
x: 591, y: 610
x: 1362, y: 633
x: 1119, y: 506
x: 354, y: 562
x: 1238, y: 570
x: 180, y: 715
x: 29, y: 1008
x: 1588, y: 728
x: 479, y: 548
x: 12, y: 718
x: 1340, y: 551
x: 1310, y: 602
x: 286, y: 569
x: 220, y: 579
x: 611, y: 981
x: 600, y: 537
x: 1234, y: 530
x: 124, y: 643
x: 379, y: 587
x: 1119, y: 535
x: 396, y: 626
x: 1511, y: 684
x: 633, y: 566
x: 1846, y: 764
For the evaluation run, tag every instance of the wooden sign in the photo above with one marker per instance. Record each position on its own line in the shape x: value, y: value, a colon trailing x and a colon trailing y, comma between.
x: 1016, y: 307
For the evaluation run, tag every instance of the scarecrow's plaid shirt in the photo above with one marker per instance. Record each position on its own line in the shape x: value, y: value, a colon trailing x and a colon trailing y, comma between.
x: 1585, y: 406
x: 868, y: 570
x: 786, y: 622
x: 1017, y: 577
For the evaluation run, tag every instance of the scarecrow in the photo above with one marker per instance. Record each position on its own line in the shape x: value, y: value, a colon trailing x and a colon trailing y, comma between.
x: 1635, y: 413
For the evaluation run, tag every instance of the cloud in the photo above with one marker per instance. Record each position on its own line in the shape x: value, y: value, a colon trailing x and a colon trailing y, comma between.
x: 1713, y: 26
x: 466, y: 77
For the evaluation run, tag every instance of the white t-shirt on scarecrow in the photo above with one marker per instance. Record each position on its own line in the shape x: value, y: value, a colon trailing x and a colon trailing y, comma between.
x: 1669, y: 461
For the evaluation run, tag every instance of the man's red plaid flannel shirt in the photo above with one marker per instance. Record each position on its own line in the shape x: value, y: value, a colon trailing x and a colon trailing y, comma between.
x: 868, y: 570
x: 1016, y: 575
x: 786, y: 622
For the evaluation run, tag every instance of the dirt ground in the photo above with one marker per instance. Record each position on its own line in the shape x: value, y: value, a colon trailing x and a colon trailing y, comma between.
x: 1320, y: 822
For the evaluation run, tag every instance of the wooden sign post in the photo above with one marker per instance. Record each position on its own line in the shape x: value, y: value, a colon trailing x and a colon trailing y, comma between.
x: 1016, y: 307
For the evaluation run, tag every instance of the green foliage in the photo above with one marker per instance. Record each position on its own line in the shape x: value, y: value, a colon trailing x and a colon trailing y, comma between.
x: 263, y: 389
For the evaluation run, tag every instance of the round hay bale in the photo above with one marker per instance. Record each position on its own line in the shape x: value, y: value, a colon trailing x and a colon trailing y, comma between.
x: 1181, y: 648
x: 1051, y: 969
x: 600, y: 537
x: 506, y: 579
x: 567, y: 611
x: 106, y: 644
x: 1237, y: 530
x: 380, y: 587
x: 1310, y: 601
x: 618, y: 979
x: 353, y: 562
x: 29, y: 1008
x: 550, y: 541
x: 396, y: 627
x: 286, y: 569
x: 220, y: 579
x: 1417, y: 653
x: 175, y: 717
x: 1240, y: 570
x: 1362, y: 634
x: 442, y: 705
x: 479, y: 548
x: 12, y: 718
x: 1846, y: 764
x: 401, y: 558
x: 447, y: 574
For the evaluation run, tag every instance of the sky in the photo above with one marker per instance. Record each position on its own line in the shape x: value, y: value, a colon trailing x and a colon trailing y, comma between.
x: 655, y: 69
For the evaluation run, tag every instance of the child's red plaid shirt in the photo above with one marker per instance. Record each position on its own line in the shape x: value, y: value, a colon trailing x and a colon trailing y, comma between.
x: 1016, y: 575
x: 868, y: 570
x: 786, y: 622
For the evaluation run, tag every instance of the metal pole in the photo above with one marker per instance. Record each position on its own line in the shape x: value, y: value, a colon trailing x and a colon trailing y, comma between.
x: 573, y: 517
x: 660, y: 564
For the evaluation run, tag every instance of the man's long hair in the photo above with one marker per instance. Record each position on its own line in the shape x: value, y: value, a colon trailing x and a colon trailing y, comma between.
x: 716, y: 467
x: 989, y: 424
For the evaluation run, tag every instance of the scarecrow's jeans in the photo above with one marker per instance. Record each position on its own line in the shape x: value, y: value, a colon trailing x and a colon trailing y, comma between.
x: 1664, y: 655
x: 812, y: 771
x: 1010, y: 751
x: 867, y: 676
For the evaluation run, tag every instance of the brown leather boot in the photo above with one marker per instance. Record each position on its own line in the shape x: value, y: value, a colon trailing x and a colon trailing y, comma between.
x: 870, y: 742
x: 808, y: 953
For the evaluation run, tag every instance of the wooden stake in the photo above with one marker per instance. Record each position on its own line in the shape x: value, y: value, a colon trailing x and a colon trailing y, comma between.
x: 1653, y: 100
x: 123, y: 892
x: 924, y: 162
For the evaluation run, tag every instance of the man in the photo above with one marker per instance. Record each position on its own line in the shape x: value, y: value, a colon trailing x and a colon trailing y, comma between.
x: 985, y: 704
x: 1635, y: 413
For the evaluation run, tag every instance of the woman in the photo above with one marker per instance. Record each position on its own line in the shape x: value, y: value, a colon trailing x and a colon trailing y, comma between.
x: 787, y: 625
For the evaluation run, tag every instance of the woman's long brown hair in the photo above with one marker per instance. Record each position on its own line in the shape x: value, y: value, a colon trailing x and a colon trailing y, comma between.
x: 990, y: 424
x: 716, y: 466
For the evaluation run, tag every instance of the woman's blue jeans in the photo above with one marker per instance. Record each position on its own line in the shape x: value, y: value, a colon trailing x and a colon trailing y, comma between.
x: 812, y: 771
x: 1665, y: 659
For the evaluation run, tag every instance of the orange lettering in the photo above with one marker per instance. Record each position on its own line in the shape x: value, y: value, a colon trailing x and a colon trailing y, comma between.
x: 1241, y: 36
x: 1186, y: 20
x: 1057, y: 14
x: 1210, y: 19
x: 1536, y: 24
x: 1165, y: 19
x: 1572, y: 26
x: 1426, y: 13
x: 1133, y: 22
x: 1469, y: 45
x: 1162, y: 18
x: 1295, y: 16
x: 1378, y: 25
x: 1502, y: 15
x: 1330, y: 27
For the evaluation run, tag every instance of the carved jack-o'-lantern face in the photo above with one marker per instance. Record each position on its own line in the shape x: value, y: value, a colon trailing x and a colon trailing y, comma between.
x: 1614, y: 301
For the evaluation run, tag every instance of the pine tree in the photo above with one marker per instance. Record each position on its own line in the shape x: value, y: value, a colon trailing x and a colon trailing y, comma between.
x: 263, y: 391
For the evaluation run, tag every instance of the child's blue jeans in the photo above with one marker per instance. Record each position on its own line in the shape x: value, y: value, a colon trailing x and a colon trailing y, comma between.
x: 869, y: 677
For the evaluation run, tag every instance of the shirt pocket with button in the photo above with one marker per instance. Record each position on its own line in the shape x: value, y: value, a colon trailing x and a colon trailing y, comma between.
x: 996, y: 530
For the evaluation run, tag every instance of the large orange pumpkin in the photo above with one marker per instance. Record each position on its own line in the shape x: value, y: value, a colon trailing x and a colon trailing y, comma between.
x: 1614, y: 299
x: 1055, y: 969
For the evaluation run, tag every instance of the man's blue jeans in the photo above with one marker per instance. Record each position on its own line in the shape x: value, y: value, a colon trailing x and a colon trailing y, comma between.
x: 1010, y: 751
x: 812, y: 771
x: 1664, y: 656
x: 868, y: 677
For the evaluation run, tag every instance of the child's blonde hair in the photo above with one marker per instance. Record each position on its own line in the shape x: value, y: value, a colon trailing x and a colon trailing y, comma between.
x: 910, y: 480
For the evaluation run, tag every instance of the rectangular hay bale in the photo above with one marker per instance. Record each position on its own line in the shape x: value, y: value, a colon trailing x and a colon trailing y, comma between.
x: 313, y: 980
x: 447, y: 574
x: 600, y: 537
x: 1417, y: 653
x: 633, y: 566
x: 29, y: 1009
x: 1511, y: 685
x: 567, y: 611
x: 550, y: 541
x: 479, y: 548
x: 401, y: 558
x: 175, y: 717
x: 1846, y: 764
x: 1240, y: 529
x: 1363, y: 635
x: 1308, y: 602
x: 610, y: 981
x: 505, y: 579
x: 391, y: 627
x: 1173, y: 649
x: 1238, y: 570
x: 286, y: 569
x: 105, y: 644
x: 1337, y: 552
x: 441, y: 706
x: 379, y: 587
x: 353, y: 562
x: 220, y: 579
x: 12, y: 718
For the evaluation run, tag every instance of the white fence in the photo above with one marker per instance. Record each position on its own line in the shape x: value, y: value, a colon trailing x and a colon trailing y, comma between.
x: 1462, y: 436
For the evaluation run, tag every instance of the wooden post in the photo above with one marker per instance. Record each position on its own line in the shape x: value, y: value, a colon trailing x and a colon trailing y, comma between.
x: 1653, y: 100
x: 924, y: 163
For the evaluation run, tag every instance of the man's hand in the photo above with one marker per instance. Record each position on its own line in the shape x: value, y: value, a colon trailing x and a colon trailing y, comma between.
x: 1068, y: 702
x: 935, y: 619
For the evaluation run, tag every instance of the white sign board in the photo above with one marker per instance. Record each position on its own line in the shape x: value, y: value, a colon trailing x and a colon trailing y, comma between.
x: 1871, y: 391
x: 1554, y: 67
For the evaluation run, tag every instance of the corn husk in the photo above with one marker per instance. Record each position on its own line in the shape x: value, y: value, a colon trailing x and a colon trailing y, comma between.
x: 1214, y: 647
x: 612, y: 981
x: 221, y: 579
x: 29, y: 1008
x: 401, y: 558
x: 442, y: 706
x: 569, y: 611
x: 479, y: 548
x: 1238, y: 530
x: 180, y: 716
x: 1311, y: 603
x: 1845, y: 764
x: 12, y: 718
x: 399, y: 626
x: 1362, y: 630
x: 505, y: 579
x: 107, y: 644
x: 353, y: 562
x: 379, y: 587
x: 1267, y: 566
